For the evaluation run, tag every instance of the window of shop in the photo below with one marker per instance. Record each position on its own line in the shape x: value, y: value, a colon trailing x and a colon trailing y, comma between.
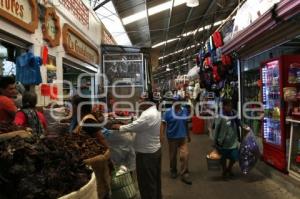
x: 71, y: 73
x: 125, y: 75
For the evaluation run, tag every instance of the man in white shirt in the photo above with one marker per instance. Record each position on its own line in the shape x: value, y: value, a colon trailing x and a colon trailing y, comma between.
x: 148, y: 147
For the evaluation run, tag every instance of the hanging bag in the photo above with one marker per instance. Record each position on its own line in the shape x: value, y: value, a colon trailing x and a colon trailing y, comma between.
x: 249, y: 153
x: 217, y: 39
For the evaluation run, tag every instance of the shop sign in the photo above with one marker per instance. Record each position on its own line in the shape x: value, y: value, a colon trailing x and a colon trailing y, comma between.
x: 78, y: 9
x: 77, y: 46
x: 23, y: 13
x: 51, y: 27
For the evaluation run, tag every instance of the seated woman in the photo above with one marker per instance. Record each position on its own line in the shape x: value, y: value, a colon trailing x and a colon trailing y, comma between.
x: 88, y: 121
x: 28, y: 116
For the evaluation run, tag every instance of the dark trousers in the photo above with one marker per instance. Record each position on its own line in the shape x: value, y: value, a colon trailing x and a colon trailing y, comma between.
x: 148, y: 169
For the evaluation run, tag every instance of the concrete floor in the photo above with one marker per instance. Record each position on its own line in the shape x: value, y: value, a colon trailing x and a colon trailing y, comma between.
x: 209, y: 184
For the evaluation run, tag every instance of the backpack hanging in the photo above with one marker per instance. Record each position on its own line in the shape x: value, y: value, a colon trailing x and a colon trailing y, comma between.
x: 211, y: 43
x: 216, y: 75
x: 226, y: 60
x: 218, y: 55
x: 217, y: 39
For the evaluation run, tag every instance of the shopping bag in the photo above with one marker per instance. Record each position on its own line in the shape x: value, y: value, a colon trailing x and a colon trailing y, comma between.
x: 249, y: 153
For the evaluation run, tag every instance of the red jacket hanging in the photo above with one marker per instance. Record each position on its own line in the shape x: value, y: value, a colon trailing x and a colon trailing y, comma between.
x: 45, y: 55
x: 226, y: 60
x: 216, y: 75
x: 218, y: 40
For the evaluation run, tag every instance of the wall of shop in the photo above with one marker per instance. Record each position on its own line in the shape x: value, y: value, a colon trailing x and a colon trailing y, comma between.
x: 89, y: 28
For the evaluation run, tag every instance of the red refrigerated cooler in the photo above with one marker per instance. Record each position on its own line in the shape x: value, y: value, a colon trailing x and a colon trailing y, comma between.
x: 275, y: 75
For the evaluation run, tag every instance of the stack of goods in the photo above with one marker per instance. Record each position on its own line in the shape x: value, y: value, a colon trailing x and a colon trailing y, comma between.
x: 45, y: 168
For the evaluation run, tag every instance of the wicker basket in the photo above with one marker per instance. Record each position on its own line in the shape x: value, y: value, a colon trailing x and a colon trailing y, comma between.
x: 123, y: 187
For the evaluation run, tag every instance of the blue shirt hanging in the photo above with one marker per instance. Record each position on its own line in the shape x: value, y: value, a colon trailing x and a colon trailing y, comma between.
x: 28, y: 69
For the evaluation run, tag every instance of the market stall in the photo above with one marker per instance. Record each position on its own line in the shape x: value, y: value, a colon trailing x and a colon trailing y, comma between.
x: 264, y: 51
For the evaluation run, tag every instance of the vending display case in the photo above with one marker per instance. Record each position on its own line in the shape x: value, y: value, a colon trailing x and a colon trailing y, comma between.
x: 275, y: 75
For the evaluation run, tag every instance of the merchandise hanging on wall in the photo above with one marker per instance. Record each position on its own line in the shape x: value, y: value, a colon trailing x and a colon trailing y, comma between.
x: 28, y: 69
x: 218, y: 72
x: 51, y: 69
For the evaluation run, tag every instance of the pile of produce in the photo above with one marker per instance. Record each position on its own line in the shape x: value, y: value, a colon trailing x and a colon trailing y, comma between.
x: 86, y: 146
x: 46, y: 168
x: 9, y: 127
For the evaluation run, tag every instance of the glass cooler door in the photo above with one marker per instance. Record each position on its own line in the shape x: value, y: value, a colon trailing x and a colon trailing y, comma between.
x: 271, y: 102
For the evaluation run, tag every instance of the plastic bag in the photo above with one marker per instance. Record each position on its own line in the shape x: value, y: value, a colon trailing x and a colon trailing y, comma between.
x: 122, y: 149
x: 249, y: 153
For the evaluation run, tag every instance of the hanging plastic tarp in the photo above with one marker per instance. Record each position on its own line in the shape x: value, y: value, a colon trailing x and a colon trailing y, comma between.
x: 193, y: 73
x: 249, y: 12
x: 122, y: 149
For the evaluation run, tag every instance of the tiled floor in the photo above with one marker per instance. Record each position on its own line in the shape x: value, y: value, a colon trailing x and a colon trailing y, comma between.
x: 209, y: 184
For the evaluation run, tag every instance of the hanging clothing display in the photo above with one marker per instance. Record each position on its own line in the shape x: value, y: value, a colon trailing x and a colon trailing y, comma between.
x: 28, y: 69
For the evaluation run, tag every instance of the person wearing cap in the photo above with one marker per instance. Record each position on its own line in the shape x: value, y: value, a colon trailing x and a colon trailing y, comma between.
x: 175, y: 124
x: 147, y: 146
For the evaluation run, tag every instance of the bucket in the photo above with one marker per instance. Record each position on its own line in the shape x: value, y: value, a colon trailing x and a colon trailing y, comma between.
x: 198, y: 125
x: 213, y: 164
x: 88, y: 191
x: 123, y: 187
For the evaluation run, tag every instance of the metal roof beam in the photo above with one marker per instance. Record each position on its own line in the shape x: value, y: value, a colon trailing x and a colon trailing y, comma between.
x: 206, y: 12
x: 147, y: 19
x: 101, y: 4
x: 168, y: 28
x: 182, y: 32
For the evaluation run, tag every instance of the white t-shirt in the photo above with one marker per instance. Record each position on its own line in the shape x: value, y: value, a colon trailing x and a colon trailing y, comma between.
x: 147, y: 129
